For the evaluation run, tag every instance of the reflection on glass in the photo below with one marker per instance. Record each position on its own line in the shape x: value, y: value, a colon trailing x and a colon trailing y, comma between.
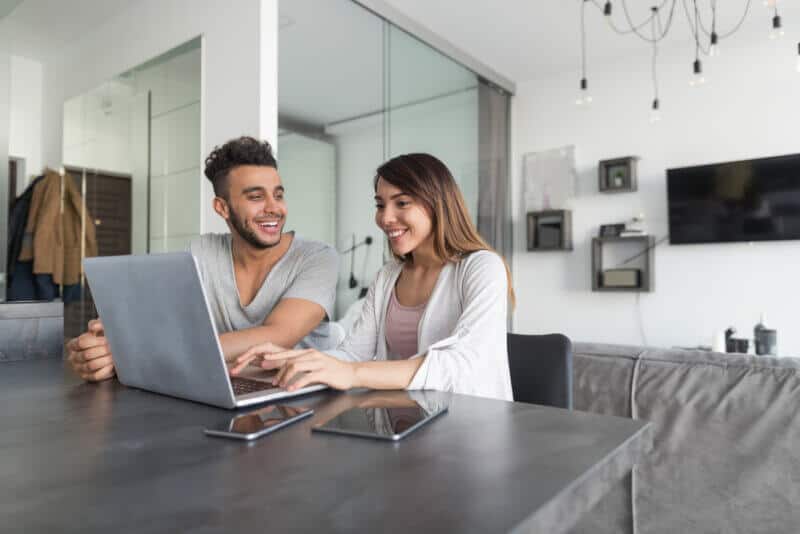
x: 432, y: 106
x: 132, y: 145
x: 354, y: 91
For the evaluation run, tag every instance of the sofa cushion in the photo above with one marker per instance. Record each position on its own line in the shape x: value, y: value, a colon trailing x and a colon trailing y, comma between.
x: 726, y: 438
x: 726, y: 454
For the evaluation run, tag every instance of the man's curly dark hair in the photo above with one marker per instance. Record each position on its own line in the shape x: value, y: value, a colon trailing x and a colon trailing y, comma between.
x: 240, y: 151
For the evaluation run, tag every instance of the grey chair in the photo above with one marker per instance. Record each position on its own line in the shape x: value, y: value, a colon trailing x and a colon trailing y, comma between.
x: 541, y: 369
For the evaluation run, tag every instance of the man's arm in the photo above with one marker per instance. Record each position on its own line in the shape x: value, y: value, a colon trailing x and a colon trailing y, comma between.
x: 289, y: 322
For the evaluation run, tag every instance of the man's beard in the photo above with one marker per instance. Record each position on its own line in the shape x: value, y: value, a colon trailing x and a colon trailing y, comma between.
x: 248, y: 234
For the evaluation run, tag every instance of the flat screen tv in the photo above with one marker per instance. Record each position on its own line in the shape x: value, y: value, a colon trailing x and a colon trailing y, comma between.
x: 753, y: 200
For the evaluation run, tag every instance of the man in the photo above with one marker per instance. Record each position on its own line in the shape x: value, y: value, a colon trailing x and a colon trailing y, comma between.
x: 262, y: 284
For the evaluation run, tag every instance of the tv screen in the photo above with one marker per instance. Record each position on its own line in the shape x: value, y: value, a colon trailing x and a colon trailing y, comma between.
x: 753, y: 200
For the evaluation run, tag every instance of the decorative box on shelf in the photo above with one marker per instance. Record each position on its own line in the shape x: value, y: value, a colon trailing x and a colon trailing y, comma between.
x: 629, y: 275
x: 549, y: 230
x: 617, y: 175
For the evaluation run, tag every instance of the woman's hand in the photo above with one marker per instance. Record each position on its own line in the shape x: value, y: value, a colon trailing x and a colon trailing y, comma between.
x: 299, y: 368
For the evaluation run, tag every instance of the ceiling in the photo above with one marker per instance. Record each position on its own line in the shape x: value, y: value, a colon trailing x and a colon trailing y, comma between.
x: 36, y: 28
x: 332, y: 53
x: 332, y: 61
x: 525, y: 39
x: 338, y: 61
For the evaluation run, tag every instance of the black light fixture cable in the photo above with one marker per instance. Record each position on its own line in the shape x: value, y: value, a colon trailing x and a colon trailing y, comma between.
x: 634, y: 28
x: 656, y: 103
x: 714, y: 38
x: 776, y: 23
x: 583, y: 39
x: 724, y: 35
x: 696, y: 31
x: 584, y: 85
x: 698, y: 65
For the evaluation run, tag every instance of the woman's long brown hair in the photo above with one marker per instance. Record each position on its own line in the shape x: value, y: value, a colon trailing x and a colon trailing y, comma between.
x: 428, y: 180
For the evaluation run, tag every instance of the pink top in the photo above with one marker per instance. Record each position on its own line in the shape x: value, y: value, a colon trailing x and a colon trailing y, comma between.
x: 401, y: 328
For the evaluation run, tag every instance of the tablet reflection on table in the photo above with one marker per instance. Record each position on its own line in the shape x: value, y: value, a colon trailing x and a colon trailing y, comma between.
x: 383, y: 414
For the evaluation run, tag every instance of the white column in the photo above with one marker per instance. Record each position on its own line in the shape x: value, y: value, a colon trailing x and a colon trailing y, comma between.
x: 240, y: 86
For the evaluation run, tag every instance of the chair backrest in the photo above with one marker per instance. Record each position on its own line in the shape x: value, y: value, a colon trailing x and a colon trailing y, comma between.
x: 541, y: 369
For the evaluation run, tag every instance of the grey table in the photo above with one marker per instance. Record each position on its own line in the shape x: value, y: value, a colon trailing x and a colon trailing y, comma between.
x: 83, y: 457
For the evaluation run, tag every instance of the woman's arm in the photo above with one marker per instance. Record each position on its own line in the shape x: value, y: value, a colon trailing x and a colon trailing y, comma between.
x: 474, y: 360
x: 299, y: 368
x: 360, y: 344
x: 395, y: 374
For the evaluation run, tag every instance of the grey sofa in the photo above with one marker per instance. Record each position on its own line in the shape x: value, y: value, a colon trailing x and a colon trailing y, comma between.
x: 726, y: 440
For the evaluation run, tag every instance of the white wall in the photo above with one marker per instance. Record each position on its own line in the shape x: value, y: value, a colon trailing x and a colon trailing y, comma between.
x: 749, y: 109
x: 25, y: 134
x: 239, y: 69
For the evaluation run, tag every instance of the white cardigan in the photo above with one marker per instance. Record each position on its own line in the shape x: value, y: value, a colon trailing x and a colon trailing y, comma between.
x: 462, y: 330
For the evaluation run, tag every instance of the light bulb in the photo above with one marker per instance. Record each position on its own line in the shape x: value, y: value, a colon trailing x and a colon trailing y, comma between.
x: 798, y: 57
x: 777, y: 30
x: 584, y: 98
x: 713, y: 51
x: 655, y: 112
x: 697, y: 78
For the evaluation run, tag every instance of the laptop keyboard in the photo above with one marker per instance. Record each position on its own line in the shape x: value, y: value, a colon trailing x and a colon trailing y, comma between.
x: 242, y: 386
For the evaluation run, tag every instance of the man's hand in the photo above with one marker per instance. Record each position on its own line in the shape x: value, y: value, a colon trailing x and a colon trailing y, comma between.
x: 89, y: 354
x: 255, y: 357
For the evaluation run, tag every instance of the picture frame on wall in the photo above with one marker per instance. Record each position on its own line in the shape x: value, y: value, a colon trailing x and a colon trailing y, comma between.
x: 549, y: 178
x: 617, y: 175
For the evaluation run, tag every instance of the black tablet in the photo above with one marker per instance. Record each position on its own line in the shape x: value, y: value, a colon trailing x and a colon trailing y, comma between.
x: 391, y: 423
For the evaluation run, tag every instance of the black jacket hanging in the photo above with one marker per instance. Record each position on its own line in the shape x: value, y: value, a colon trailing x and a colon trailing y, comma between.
x: 17, y: 220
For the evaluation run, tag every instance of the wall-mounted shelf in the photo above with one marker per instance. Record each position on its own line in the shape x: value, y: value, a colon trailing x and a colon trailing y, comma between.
x: 549, y: 230
x: 636, y: 275
x: 617, y: 175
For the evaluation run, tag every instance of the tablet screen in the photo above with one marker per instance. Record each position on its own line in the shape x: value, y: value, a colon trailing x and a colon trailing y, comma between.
x: 382, y: 422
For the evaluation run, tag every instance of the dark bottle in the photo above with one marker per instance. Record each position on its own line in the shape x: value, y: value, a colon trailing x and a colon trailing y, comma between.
x: 729, y: 345
x: 765, y: 339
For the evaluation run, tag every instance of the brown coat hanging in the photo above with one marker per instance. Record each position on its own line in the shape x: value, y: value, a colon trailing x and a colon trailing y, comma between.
x: 52, y: 238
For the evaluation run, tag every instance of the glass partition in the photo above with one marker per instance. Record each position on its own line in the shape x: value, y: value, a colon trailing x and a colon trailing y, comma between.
x: 432, y: 106
x: 132, y: 148
x: 356, y: 90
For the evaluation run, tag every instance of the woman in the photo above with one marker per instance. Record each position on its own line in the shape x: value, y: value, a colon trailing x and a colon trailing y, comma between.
x: 433, y: 319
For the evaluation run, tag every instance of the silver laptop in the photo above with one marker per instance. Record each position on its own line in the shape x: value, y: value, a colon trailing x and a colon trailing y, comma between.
x: 159, y: 326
